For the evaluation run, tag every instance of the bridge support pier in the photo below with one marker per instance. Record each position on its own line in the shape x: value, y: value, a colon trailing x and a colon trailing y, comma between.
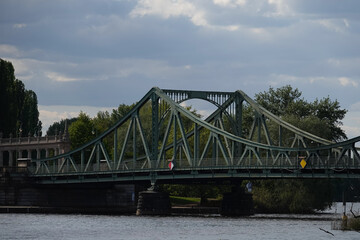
x: 152, y: 202
x: 237, y: 203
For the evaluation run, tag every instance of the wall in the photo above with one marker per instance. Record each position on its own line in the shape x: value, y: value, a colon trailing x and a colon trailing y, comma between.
x: 16, y: 189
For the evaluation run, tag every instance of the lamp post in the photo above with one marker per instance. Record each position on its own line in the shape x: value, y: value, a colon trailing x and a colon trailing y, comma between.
x: 94, y: 132
x: 20, y: 130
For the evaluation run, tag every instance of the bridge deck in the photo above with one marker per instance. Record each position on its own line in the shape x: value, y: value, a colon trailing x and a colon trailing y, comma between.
x: 196, y: 174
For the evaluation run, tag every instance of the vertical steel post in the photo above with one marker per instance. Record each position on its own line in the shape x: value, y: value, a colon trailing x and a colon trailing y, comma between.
x: 214, y: 153
x: 67, y: 165
x: 115, y: 147
x: 134, y: 142
x: 238, y: 121
x: 98, y: 156
x: 196, y: 145
x: 155, y: 130
x: 175, y: 137
x: 259, y: 128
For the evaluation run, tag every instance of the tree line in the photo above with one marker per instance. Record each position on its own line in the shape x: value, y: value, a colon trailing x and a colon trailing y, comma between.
x: 18, y: 105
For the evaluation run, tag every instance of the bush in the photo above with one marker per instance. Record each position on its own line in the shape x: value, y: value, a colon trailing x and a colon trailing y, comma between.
x: 354, y: 224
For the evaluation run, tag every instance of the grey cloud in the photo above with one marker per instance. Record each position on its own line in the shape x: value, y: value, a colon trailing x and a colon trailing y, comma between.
x: 116, y: 57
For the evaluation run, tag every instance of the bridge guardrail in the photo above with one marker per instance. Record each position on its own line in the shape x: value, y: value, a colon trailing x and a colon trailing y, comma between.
x: 293, y: 163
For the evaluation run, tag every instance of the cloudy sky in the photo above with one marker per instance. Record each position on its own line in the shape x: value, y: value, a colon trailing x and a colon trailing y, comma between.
x: 93, y: 55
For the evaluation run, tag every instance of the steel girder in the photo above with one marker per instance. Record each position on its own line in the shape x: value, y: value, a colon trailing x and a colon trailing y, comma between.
x: 158, y: 130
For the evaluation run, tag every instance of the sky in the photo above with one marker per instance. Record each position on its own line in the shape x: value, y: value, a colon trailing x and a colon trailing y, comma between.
x: 90, y: 55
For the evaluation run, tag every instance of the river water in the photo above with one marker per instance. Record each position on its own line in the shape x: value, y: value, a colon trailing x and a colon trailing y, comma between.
x: 58, y: 226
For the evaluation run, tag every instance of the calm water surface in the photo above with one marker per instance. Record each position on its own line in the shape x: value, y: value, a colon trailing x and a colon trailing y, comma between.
x: 37, y: 226
x: 53, y: 226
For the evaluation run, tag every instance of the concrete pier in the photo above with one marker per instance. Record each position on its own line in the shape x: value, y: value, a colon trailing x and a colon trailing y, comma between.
x: 153, y: 203
x: 237, y: 203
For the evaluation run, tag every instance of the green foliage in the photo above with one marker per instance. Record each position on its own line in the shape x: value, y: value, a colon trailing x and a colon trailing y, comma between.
x: 197, y: 191
x: 18, y: 106
x: 58, y: 127
x: 291, y: 196
x: 120, y: 112
x: 354, y: 224
x: 30, y: 115
x: 322, y: 118
x: 8, y: 115
x: 282, y: 101
x: 311, y: 124
x: 330, y: 113
x: 286, y: 103
x: 80, y: 131
x: 102, y: 121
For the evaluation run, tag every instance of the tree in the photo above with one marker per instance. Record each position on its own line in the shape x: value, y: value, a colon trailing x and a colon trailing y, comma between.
x: 29, y: 115
x: 291, y: 196
x: 329, y: 112
x: 58, y: 127
x: 120, y: 112
x: 80, y: 131
x: 18, y: 106
x: 322, y: 118
x: 286, y: 103
x: 102, y: 121
x: 7, y: 78
x: 282, y: 101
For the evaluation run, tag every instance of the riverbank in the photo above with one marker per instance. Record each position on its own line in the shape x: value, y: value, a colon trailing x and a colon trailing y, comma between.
x: 67, y: 210
x: 335, y: 212
x: 175, y: 211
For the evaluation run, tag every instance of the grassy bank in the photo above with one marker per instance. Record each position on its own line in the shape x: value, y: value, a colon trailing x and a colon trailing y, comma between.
x: 181, y: 201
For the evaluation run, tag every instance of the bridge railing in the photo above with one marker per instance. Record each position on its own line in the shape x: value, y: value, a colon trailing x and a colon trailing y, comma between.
x: 293, y: 163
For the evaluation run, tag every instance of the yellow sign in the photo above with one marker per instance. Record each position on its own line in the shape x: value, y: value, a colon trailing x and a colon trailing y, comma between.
x: 303, y: 163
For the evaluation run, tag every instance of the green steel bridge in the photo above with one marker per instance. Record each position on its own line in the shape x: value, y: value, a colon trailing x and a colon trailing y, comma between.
x: 160, y: 140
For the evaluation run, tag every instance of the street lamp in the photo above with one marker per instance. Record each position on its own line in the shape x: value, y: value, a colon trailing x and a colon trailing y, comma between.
x: 20, y: 130
x: 93, y: 132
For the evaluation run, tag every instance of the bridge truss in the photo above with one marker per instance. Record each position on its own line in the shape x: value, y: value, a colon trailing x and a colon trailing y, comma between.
x: 160, y: 132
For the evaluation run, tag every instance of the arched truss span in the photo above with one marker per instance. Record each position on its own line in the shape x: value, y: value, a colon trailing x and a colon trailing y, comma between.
x: 158, y: 130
